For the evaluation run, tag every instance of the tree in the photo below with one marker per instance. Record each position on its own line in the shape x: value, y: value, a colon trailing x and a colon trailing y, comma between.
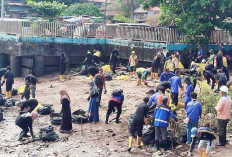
x: 66, y: 2
x: 126, y: 7
x: 196, y: 18
x: 47, y: 9
x: 121, y: 18
x: 82, y: 9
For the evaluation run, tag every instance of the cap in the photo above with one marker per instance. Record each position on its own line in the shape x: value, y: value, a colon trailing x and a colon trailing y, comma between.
x: 224, y: 89
x: 133, y: 52
x: 194, y: 132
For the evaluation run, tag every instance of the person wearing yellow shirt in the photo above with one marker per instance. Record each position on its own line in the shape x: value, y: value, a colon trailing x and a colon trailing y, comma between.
x: 133, y: 61
x: 96, y: 56
x: 169, y: 64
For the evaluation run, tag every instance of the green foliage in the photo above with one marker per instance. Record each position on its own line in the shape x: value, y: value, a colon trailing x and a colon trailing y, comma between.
x: 121, y: 18
x: 47, y: 9
x: 66, y: 2
x: 82, y: 9
x: 197, y: 19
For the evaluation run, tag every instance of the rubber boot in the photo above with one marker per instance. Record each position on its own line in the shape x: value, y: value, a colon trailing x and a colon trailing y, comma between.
x: 62, y: 78
x: 107, y: 118
x: 165, y: 145
x: 10, y: 94
x: 139, y: 142
x: 201, y: 152
x: 130, y: 143
x: 204, y: 154
x: 221, y: 141
x: 156, y: 76
x: 152, y: 75
x: 7, y: 95
x: 21, y: 136
x: 157, y: 145
x: 139, y: 82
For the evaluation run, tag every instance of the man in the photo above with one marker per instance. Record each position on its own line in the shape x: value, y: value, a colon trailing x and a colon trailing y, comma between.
x: 165, y: 53
x: 9, y: 79
x: 116, y: 100
x: 161, y: 95
x: 165, y: 84
x: 153, y: 99
x: 161, y: 120
x: 32, y: 80
x: 63, y: 65
x: 133, y: 61
x: 100, y: 82
x: 142, y: 76
x: 175, y: 84
x: 137, y: 122
x: 220, y: 62
x: 96, y: 56
x: 161, y: 57
x: 212, y: 55
x: 88, y: 60
x: 221, y: 79
x: 188, y: 90
x: 223, y: 109
x: 209, y: 73
x: 32, y: 103
x: 223, y: 49
x: 199, y: 54
x: 165, y: 76
x: 176, y: 61
x: 2, y: 72
x: 114, y: 57
x: 169, y: 64
x: 193, y: 111
x: 154, y: 67
x: 206, y: 136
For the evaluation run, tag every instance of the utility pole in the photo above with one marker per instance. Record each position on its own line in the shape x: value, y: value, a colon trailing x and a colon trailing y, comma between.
x: 2, y: 10
x: 106, y: 6
x: 132, y: 10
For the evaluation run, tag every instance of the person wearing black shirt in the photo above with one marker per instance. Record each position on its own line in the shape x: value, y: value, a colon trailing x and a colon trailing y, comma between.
x: 32, y: 103
x: 165, y: 84
x: 209, y: 73
x: 138, y: 121
x: 9, y: 79
x: 114, y: 57
x: 221, y: 79
x: 63, y: 64
x: 2, y: 72
x: 32, y: 80
x: 155, y: 67
x: 223, y: 49
x: 88, y: 60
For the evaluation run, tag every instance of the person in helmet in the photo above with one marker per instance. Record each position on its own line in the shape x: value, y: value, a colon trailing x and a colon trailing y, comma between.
x: 188, y: 90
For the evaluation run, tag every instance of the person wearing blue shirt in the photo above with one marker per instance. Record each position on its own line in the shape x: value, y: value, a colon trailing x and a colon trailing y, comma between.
x: 175, y: 84
x: 153, y: 99
x: 188, y: 90
x: 161, y: 120
x: 199, y: 54
x: 165, y: 76
x: 194, y: 111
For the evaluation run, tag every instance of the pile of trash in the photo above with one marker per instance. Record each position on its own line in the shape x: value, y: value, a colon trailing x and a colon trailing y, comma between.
x: 55, y: 118
x: 45, y: 110
x: 48, y: 134
x: 79, y: 117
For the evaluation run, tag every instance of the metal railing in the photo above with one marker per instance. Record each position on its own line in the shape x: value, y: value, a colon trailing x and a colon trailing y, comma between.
x: 88, y: 30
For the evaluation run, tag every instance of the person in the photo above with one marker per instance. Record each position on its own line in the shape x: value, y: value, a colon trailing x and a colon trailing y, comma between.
x: 209, y: 73
x: 221, y: 78
x: 175, y: 82
x: 172, y: 24
x: 176, y: 61
x: 220, y: 62
x: 199, y: 54
x: 100, y: 82
x: 169, y: 64
x: 154, y: 98
x: 193, y: 113
x: 114, y: 57
x: 194, y: 73
x: 223, y: 109
x: 116, y: 100
x: 155, y: 67
x: 161, y: 95
x: 96, y: 56
x: 133, y: 61
x: 25, y: 122
x: 138, y: 122
x: 63, y: 64
x: 165, y: 54
x: 186, y: 58
x: 93, y: 104
x: 88, y: 60
x: 222, y: 48
x: 188, y: 90
x: 92, y: 71
x: 9, y: 79
x: 206, y: 137
x: 2, y: 72
x: 142, y: 76
x: 66, y: 122
x: 161, y: 57
x: 161, y: 120
x: 165, y: 84
x: 32, y: 80
x: 212, y: 55
x: 32, y: 103
x: 166, y: 76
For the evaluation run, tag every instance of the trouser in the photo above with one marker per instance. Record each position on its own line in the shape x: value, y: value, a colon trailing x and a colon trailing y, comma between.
x: 186, y: 66
x: 191, y: 124
x: 174, y: 97
x: 208, y: 77
x: 161, y: 131
x: 221, y: 82
x: 99, y: 94
x: 194, y: 84
x: 33, y: 89
x: 96, y: 59
x: 222, y: 124
x: 0, y: 86
x: 226, y: 71
x: 138, y: 127
x: 9, y: 85
x: 161, y: 68
x: 114, y: 64
x: 111, y: 106
x: 62, y: 70
x: 23, y: 126
x: 205, y: 142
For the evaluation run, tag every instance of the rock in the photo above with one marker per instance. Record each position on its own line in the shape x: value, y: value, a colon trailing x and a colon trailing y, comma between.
x: 113, y: 134
x: 179, y: 147
x: 184, y: 154
x: 99, y: 151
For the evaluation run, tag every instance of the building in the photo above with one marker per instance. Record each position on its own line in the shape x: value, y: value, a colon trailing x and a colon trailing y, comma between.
x: 140, y: 15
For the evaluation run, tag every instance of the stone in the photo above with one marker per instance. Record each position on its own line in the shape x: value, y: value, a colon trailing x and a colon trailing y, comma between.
x: 113, y: 134
x: 184, y: 154
x: 179, y: 147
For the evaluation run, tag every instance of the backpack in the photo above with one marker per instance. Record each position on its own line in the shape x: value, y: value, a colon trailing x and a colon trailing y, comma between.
x: 98, y: 80
x: 117, y: 92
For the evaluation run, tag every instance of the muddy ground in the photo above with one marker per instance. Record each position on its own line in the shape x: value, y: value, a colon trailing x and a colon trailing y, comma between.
x: 98, y: 139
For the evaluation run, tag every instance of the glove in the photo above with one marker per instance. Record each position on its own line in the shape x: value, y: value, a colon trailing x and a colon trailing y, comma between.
x: 105, y: 91
x: 88, y: 98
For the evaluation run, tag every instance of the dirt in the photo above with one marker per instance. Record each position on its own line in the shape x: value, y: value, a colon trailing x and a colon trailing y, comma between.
x: 97, y: 139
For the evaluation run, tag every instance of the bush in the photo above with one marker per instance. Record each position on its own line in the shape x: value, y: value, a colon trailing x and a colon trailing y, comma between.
x: 121, y: 18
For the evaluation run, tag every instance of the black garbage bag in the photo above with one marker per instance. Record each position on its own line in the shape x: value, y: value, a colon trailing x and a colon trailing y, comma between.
x: 45, y: 110
x: 148, y: 134
x: 1, y: 114
x: 79, y: 117
x: 48, y: 134
x: 8, y: 103
x: 108, y: 77
x: 14, y: 92
x: 83, y: 71
x: 129, y: 126
x: 2, y: 100
x: 56, y: 118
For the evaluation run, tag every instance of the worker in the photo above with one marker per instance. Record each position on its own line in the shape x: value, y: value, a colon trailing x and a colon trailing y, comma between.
x: 175, y: 84
x: 169, y: 64
x: 114, y: 57
x: 194, y: 74
x: 223, y: 109
x: 26, y: 92
x: 63, y: 65
x: 193, y: 113
x: 133, y: 61
x: 25, y: 122
x: 137, y: 123
x: 200, y: 54
x: 88, y: 60
x: 165, y: 76
x: 92, y: 71
x: 142, y: 76
x: 161, y: 121
x: 32, y: 103
x: 155, y: 67
x: 2, y: 72
x: 161, y: 95
x: 32, y: 80
x: 188, y: 90
x: 116, y: 100
x: 212, y: 55
x: 176, y: 61
x: 220, y: 62
x: 221, y: 78
x: 162, y: 61
x: 96, y: 56
x: 165, y: 84
x: 9, y: 79
x: 100, y: 82
x: 206, y: 137
x: 154, y: 98
x: 209, y: 73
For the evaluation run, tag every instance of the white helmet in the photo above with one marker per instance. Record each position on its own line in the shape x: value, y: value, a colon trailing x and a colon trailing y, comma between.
x: 224, y: 89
